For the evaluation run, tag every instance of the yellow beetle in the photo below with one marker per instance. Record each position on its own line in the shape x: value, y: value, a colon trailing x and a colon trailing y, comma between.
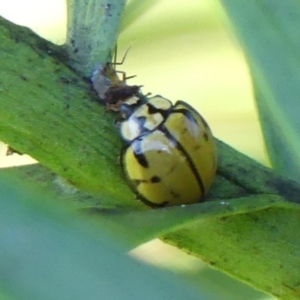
x: 171, y: 156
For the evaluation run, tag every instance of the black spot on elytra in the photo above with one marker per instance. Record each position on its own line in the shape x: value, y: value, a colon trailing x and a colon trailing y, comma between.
x: 155, y: 179
x: 151, y: 109
x: 141, y: 159
x: 139, y: 154
x: 154, y: 110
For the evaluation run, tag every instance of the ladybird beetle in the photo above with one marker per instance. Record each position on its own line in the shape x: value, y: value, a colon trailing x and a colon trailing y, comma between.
x: 170, y: 157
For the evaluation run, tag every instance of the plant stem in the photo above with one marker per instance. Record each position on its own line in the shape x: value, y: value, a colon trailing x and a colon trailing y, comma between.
x: 92, y: 32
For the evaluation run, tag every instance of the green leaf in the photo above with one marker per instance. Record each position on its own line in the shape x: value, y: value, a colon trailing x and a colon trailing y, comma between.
x: 261, y: 224
x: 48, y: 253
x: 48, y: 111
x: 268, y: 32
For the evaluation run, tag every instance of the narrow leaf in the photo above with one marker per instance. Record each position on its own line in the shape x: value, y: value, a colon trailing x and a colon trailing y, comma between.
x: 268, y: 32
